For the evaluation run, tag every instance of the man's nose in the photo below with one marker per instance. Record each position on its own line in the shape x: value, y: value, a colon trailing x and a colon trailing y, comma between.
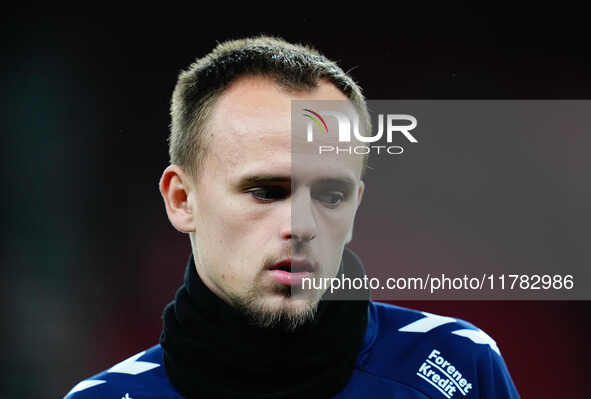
x: 301, y: 222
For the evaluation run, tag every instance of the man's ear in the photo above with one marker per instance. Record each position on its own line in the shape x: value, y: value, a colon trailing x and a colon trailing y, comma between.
x: 360, y: 192
x: 177, y: 189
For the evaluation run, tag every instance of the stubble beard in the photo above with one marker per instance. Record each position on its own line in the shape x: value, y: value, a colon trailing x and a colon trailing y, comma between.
x: 287, y: 317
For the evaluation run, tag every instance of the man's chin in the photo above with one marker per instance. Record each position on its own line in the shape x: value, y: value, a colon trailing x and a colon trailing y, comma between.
x: 276, y: 310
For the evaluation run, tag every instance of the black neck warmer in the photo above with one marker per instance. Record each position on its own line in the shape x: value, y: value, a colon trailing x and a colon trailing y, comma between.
x: 212, y: 351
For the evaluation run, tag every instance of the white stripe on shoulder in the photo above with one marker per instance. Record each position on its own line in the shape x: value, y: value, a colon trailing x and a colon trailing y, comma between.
x: 427, y: 323
x: 133, y: 366
x: 478, y: 337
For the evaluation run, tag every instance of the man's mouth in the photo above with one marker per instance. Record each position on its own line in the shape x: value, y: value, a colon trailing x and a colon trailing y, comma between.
x: 291, y: 271
x: 293, y: 265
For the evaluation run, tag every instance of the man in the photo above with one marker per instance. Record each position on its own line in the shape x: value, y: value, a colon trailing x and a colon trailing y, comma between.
x: 241, y: 326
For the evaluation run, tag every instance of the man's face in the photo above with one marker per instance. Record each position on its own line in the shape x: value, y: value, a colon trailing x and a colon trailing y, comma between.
x: 255, y: 214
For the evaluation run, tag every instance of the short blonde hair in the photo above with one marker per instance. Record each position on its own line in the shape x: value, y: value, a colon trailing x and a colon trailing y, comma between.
x: 293, y: 66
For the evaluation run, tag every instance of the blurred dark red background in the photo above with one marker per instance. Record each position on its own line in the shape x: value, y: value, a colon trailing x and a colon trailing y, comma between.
x: 89, y: 258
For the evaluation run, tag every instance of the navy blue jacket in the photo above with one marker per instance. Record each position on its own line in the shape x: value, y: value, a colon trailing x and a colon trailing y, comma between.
x: 406, y: 354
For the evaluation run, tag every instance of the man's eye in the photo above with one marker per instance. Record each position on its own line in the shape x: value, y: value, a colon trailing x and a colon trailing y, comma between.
x: 269, y: 193
x: 331, y: 198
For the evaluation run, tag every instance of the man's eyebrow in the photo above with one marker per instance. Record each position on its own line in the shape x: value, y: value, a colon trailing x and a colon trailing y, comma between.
x: 341, y: 181
x: 254, y: 180
x: 263, y: 179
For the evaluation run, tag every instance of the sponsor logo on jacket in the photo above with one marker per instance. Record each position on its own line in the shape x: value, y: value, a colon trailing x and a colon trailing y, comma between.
x: 444, y: 376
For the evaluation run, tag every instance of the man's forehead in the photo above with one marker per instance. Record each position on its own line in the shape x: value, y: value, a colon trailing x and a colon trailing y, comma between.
x: 251, y: 112
x: 259, y: 104
x: 250, y: 126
